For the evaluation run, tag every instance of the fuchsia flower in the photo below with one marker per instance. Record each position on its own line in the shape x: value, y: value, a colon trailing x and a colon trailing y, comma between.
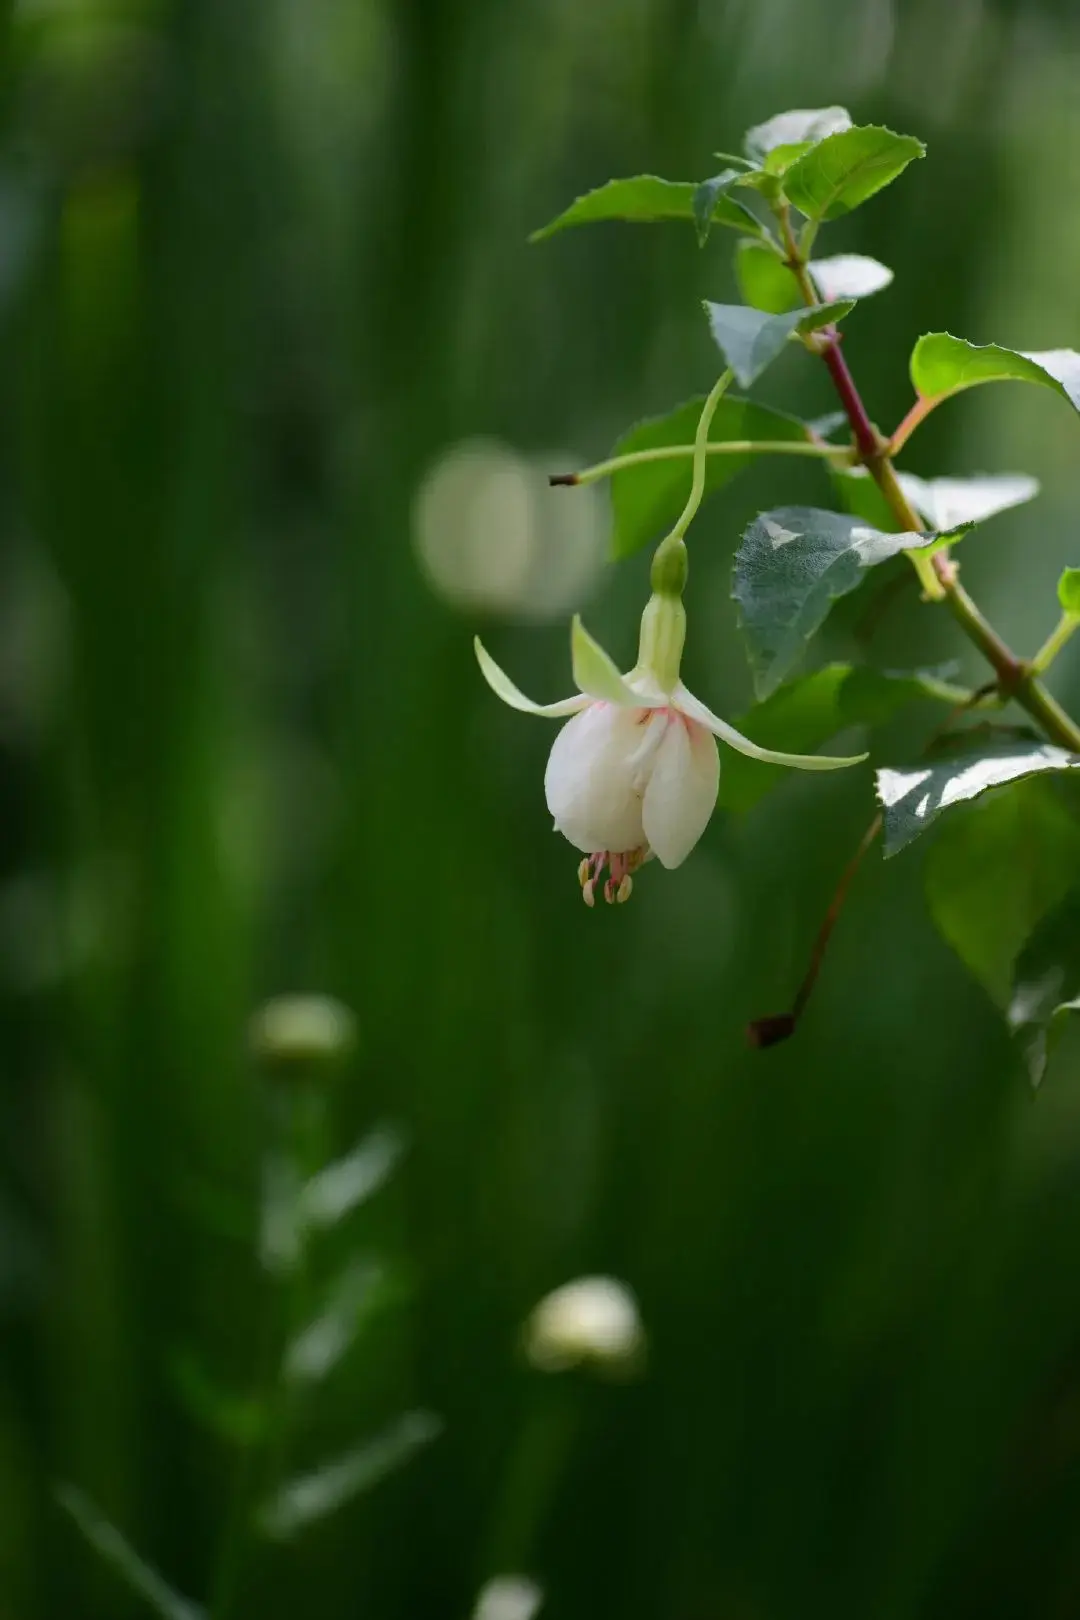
x: 635, y: 772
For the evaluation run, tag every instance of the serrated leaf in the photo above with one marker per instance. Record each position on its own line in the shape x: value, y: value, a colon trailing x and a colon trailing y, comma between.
x: 764, y: 279
x: 139, y: 1576
x: 945, y: 502
x: 914, y: 797
x: 994, y: 870
x: 705, y: 199
x: 1069, y: 591
x: 800, y: 124
x: 801, y: 716
x: 647, y: 498
x: 792, y: 564
x: 750, y: 340
x: 307, y: 1498
x: 847, y: 168
x: 848, y: 275
x: 644, y: 200
x: 1046, y: 986
x: 942, y: 364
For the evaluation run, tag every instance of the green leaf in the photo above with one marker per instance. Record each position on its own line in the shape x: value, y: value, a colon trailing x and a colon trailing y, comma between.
x: 861, y: 497
x: 1069, y: 591
x: 945, y: 502
x: 942, y: 364
x: 994, y: 870
x: 1046, y: 986
x: 750, y: 340
x: 647, y: 499
x: 238, y: 1419
x: 801, y: 716
x: 705, y: 200
x: 339, y: 1188
x: 645, y: 199
x: 800, y: 125
x: 116, y: 1551
x: 307, y: 1498
x: 914, y: 797
x: 845, y: 169
x: 764, y: 279
x: 352, y: 1302
x: 793, y: 563
x: 848, y: 275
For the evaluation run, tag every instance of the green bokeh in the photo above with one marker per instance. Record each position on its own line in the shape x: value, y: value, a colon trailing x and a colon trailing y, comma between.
x: 262, y: 263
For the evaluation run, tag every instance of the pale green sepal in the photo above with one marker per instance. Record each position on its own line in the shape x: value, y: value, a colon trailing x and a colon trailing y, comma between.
x: 504, y: 688
x: 597, y: 676
x: 694, y: 709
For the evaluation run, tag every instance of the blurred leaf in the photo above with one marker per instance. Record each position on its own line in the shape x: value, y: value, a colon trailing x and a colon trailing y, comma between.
x: 826, y: 426
x: 861, y: 497
x: 350, y: 1181
x: 306, y: 1499
x: 705, y: 199
x: 118, y: 1553
x: 750, y: 340
x: 944, y: 502
x: 647, y: 499
x: 355, y: 1297
x: 996, y: 868
x: 764, y: 279
x: 800, y: 125
x: 1046, y: 986
x: 942, y: 365
x: 848, y: 275
x: 1069, y: 591
x: 644, y: 199
x: 847, y: 168
x: 804, y: 714
x: 239, y: 1419
x: 914, y: 797
x: 792, y: 565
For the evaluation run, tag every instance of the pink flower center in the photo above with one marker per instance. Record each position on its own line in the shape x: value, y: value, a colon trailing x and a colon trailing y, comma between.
x: 619, y: 883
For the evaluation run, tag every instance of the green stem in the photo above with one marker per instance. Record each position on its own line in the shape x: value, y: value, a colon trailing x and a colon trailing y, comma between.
x: 730, y: 447
x: 1015, y: 678
x: 1066, y: 627
x: 701, y: 440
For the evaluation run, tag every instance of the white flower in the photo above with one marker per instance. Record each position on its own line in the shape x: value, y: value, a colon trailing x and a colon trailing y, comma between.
x: 590, y: 1320
x: 636, y: 771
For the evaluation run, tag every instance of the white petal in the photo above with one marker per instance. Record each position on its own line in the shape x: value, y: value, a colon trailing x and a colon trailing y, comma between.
x: 681, y: 794
x: 504, y: 687
x: 595, y: 673
x: 592, y: 783
x: 696, y: 710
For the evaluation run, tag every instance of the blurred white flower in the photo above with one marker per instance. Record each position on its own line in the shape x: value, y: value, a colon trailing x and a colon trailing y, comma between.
x: 590, y: 1321
x: 302, y: 1029
x: 491, y: 534
x: 508, y: 1597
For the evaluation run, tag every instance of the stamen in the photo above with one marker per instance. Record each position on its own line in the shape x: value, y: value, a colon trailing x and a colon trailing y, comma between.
x: 618, y: 886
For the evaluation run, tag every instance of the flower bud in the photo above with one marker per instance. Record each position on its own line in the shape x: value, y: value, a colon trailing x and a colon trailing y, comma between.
x: 669, y: 568
x: 591, y: 1321
x: 296, y: 1030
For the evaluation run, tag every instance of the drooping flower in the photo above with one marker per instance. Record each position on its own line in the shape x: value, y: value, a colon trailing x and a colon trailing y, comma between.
x: 635, y: 772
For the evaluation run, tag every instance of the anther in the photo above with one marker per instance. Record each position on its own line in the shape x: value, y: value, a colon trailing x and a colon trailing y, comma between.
x: 587, y: 892
x: 583, y: 872
x: 626, y: 888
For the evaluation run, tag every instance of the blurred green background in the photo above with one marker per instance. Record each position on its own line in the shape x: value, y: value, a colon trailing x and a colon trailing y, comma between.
x: 281, y: 378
